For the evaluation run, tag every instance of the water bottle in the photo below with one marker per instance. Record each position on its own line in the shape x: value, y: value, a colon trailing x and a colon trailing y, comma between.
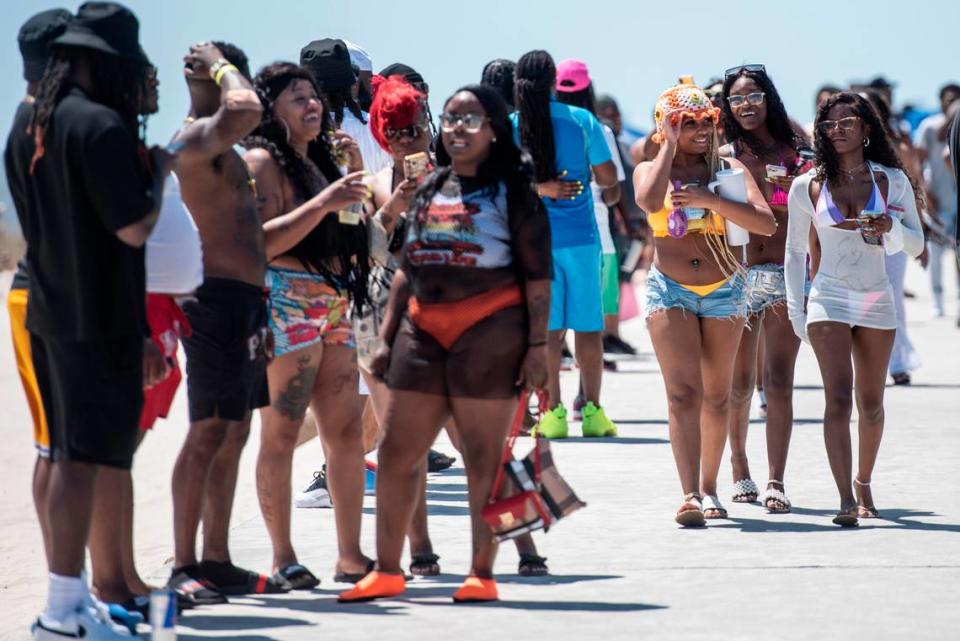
x: 163, y: 615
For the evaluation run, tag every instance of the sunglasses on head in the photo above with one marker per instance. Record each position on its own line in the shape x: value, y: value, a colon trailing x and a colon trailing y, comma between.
x: 412, y: 131
x: 471, y: 123
x: 755, y: 98
x: 736, y: 71
x: 844, y: 124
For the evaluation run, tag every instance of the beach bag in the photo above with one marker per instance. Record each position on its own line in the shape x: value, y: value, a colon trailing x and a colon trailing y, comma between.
x: 527, y: 495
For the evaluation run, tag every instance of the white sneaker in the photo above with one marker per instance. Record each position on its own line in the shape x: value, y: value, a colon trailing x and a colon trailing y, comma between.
x: 316, y: 494
x: 82, y: 624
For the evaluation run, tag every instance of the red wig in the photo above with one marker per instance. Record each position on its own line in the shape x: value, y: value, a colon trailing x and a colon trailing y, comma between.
x: 395, y: 104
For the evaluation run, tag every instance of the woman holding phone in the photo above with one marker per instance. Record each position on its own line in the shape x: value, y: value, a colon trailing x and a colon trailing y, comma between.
x: 761, y: 136
x: 695, y: 307
x: 862, y: 206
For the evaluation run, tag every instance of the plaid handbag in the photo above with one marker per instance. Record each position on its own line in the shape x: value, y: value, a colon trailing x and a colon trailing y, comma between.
x: 527, y: 495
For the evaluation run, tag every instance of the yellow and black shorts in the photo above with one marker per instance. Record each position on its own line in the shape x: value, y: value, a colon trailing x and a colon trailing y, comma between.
x: 17, y: 305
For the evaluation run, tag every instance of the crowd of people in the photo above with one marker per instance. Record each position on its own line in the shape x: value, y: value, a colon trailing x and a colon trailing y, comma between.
x: 331, y: 255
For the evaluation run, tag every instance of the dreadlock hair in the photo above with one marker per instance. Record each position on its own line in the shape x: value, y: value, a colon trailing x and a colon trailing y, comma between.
x: 347, y: 244
x: 880, y: 150
x: 341, y: 100
x: 777, y: 122
x: 506, y: 162
x: 234, y: 56
x: 535, y: 77
x: 116, y: 83
x: 585, y: 99
x: 396, y: 104
x: 499, y: 75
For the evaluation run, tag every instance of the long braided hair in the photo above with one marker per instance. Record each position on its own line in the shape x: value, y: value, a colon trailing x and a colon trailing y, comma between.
x: 880, y: 150
x: 346, y: 245
x: 585, y: 99
x: 534, y: 78
x: 506, y: 162
x: 499, y: 75
x: 117, y: 83
x: 341, y: 100
x: 778, y: 123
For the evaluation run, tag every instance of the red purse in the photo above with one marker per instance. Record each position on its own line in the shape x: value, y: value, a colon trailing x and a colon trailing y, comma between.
x: 520, y: 502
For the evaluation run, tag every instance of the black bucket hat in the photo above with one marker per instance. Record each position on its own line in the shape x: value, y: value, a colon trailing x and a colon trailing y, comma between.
x: 108, y: 27
x: 35, y: 37
x: 329, y: 61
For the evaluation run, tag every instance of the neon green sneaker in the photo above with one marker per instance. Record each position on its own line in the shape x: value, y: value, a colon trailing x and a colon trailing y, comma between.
x: 553, y: 424
x: 595, y: 422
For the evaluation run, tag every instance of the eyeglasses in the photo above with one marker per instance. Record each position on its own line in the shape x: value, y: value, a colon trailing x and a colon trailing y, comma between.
x: 412, y: 132
x: 844, y: 124
x: 471, y: 123
x: 736, y: 71
x: 755, y: 98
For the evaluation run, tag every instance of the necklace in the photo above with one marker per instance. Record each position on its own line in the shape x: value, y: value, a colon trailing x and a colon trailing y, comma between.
x: 852, y: 173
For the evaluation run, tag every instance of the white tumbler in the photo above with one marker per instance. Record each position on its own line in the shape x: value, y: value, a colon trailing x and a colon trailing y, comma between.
x: 730, y: 184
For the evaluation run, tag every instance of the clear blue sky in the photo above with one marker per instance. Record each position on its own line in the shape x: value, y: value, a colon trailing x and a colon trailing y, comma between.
x: 634, y: 49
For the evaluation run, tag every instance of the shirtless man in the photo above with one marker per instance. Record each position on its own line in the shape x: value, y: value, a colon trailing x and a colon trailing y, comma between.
x: 227, y: 350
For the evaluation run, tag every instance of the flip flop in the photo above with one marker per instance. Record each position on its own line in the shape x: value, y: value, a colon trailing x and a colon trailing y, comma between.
x: 236, y: 581
x: 297, y: 577
x: 346, y: 577
x: 438, y: 461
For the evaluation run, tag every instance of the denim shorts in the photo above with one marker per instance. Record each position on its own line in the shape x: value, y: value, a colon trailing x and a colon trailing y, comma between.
x: 765, y: 287
x: 665, y: 293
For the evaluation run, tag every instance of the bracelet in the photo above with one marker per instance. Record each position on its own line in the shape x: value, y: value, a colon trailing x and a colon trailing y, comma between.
x: 220, y: 68
x: 215, y: 67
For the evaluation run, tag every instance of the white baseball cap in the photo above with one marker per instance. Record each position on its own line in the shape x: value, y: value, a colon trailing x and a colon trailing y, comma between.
x: 359, y: 56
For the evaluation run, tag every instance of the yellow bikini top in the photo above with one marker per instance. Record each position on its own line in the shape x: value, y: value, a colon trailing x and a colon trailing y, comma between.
x: 711, y: 221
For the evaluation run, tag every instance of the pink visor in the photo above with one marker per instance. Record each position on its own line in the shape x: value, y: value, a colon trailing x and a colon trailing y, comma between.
x: 572, y: 75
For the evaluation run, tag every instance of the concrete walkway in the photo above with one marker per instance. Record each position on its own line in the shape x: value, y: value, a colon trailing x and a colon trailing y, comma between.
x: 621, y: 567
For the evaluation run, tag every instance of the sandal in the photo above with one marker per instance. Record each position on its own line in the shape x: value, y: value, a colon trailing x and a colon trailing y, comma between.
x: 346, y: 577
x: 775, y: 500
x: 848, y: 518
x: 188, y: 583
x: 901, y: 378
x: 438, y: 461
x: 297, y: 577
x: 745, y: 491
x: 690, y: 513
x: 863, y: 511
x: 533, y: 565
x: 712, y: 509
x: 234, y: 581
x: 424, y: 564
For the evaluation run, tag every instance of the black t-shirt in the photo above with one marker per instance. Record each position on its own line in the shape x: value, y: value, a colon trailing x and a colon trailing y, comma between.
x: 86, y: 284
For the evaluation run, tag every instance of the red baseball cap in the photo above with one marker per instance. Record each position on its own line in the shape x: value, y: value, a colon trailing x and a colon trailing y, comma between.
x: 572, y: 75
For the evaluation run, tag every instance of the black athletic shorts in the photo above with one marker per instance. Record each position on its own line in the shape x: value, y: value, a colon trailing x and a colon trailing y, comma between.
x: 226, y: 350
x: 92, y: 394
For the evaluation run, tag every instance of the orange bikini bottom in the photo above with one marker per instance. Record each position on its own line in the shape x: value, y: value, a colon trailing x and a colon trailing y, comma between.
x: 447, y: 322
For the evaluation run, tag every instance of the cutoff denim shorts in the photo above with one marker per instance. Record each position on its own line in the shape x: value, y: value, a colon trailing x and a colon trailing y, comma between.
x: 665, y: 293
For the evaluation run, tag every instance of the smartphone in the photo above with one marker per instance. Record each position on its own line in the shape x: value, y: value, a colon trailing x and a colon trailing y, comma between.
x: 416, y: 166
x: 865, y: 219
x: 776, y: 171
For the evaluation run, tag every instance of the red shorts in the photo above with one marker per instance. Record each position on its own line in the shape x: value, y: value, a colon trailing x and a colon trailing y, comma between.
x: 167, y: 324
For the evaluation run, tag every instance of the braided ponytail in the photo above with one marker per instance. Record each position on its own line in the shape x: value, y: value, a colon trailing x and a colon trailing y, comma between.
x: 535, y: 77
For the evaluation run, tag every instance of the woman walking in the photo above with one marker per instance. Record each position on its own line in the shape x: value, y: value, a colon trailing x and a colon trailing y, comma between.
x: 695, y: 305
x: 862, y: 206
x: 762, y: 138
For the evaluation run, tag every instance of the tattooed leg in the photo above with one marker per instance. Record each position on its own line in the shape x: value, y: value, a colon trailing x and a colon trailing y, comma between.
x: 291, y: 377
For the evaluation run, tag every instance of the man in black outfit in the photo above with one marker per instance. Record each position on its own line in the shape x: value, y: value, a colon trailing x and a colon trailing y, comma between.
x: 87, y: 203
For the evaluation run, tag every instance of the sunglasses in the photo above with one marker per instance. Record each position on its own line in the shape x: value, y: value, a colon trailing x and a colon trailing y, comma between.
x: 844, y: 124
x: 755, y: 98
x: 736, y: 71
x: 411, y: 132
x: 471, y: 123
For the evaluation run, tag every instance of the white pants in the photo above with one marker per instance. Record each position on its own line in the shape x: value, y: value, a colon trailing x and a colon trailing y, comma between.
x: 904, y: 357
